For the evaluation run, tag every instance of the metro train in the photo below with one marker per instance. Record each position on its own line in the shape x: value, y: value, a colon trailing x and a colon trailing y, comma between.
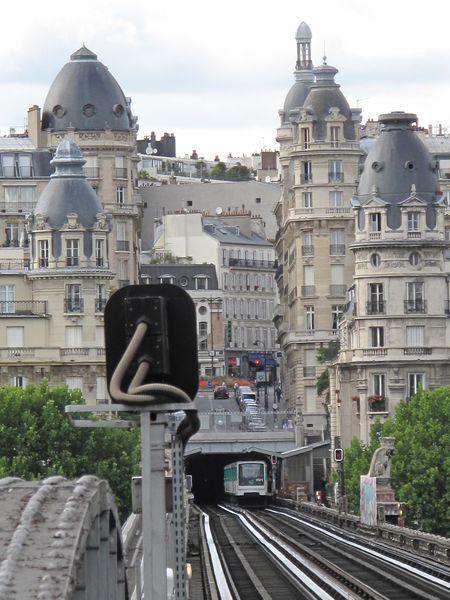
x: 246, y: 481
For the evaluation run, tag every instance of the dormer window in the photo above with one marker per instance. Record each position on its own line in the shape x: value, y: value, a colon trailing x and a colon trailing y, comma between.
x: 334, y: 136
x: 375, y: 221
x: 43, y: 253
x: 73, y: 256
x: 201, y: 282
x: 413, y: 221
x: 305, y: 138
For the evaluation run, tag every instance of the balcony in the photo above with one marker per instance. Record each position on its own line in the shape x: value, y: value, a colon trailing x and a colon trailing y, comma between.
x: 121, y: 173
x: 307, y: 250
x: 16, y: 207
x: 414, y: 235
x: 251, y: 264
x: 415, y: 306
x: 375, y: 351
x: 374, y: 235
x: 92, y: 172
x: 337, y: 249
x: 14, y: 265
x: 123, y: 245
x: 23, y: 308
x: 20, y: 353
x: 100, y: 304
x: 74, y: 351
x: 308, y: 291
x: 417, y: 350
x: 377, y: 403
x: 338, y: 291
x: 376, y: 307
x: 73, y: 305
x: 335, y: 177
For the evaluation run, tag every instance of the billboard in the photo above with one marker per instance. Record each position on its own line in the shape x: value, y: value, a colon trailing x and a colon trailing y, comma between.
x: 368, y: 501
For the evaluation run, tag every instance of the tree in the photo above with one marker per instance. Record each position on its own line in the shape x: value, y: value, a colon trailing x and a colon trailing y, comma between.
x: 143, y: 174
x: 239, y: 171
x: 420, y: 472
x: 37, y: 440
x: 219, y: 169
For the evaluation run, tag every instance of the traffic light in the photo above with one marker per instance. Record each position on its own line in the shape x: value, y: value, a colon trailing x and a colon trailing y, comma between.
x: 257, y: 362
x: 229, y: 332
x: 338, y: 455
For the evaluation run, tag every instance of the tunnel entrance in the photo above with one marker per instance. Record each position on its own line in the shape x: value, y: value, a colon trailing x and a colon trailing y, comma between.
x: 207, y: 473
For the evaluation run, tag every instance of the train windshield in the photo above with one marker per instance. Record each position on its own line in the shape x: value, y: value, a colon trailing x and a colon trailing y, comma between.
x: 251, y: 474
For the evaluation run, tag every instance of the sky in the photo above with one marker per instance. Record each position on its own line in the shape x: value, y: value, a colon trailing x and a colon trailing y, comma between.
x: 216, y: 73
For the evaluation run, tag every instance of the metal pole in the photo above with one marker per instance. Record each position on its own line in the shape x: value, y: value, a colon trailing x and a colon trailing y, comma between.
x: 154, y: 506
x: 266, y: 401
x: 212, y: 337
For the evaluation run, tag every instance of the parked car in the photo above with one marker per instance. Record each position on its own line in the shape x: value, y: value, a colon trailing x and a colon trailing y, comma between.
x: 221, y: 391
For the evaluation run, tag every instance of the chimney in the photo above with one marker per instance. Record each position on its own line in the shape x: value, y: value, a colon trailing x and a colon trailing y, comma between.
x: 34, y: 126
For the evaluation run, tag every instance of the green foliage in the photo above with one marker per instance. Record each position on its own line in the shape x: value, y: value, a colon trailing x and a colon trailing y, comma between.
x: 239, y: 172
x: 37, y: 440
x: 219, y: 169
x: 420, y: 472
x: 143, y: 174
x: 329, y: 353
x: 323, y: 382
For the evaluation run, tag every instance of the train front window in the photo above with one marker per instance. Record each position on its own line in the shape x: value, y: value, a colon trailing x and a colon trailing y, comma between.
x: 251, y: 474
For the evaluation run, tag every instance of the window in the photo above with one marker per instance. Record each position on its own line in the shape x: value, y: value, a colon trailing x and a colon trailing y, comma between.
x: 166, y: 279
x: 336, y: 315
x: 99, y: 336
x: 415, y: 302
x: 122, y: 237
x: 415, y: 336
x: 335, y: 174
x: 25, y: 165
x: 100, y: 297
x: 375, y: 260
x: 337, y: 286
x: 413, y: 221
x: 99, y: 253
x: 74, y: 383
x: 375, y: 303
x: 43, y: 253
x: 73, y: 336
x: 307, y: 243
x: 415, y: 382
x: 7, y: 298
x: 18, y: 381
x: 8, y: 165
x: 201, y: 283
x: 306, y: 176
x: 308, y: 287
x: 309, y: 315
x: 337, y: 246
x: 379, y: 384
x: 14, y: 337
x: 73, y: 302
x: 19, y: 198
x: 224, y: 258
x: 12, y: 234
x: 305, y: 137
x: 334, y: 136
x: 102, y: 394
x: 90, y: 168
x: 122, y: 273
x: 203, y: 335
x: 121, y: 170
x: 120, y: 195
x: 72, y: 247
x: 307, y: 199
x: 376, y: 337
x: 335, y: 199
x: 414, y: 259
x: 375, y: 221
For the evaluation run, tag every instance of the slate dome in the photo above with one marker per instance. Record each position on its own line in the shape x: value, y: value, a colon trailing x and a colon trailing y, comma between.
x: 398, y: 160
x: 68, y: 192
x: 324, y: 95
x: 85, y: 95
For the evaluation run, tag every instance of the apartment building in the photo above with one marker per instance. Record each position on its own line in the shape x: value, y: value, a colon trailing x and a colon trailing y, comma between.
x: 395, y: 334
x: 320, y: 156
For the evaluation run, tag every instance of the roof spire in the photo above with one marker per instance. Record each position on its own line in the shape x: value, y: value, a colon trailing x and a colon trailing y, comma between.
x: 303, y: 37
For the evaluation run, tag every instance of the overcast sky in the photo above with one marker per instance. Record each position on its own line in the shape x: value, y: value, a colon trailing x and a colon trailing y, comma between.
x: 216, y: 73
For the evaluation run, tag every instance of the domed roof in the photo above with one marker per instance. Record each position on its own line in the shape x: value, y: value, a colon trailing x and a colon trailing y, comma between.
x: 324, y: 95
x: 303, y: 33
x: 85, y: 95
x: 304, y: 77
x: 397, y: 161
x: 68, y: 192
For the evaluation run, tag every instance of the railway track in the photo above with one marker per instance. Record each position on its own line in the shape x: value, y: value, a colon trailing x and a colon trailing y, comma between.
x: 275, y: 554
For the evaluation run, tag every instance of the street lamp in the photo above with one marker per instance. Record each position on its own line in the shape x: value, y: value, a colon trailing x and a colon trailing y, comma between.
x: 266, y: 401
